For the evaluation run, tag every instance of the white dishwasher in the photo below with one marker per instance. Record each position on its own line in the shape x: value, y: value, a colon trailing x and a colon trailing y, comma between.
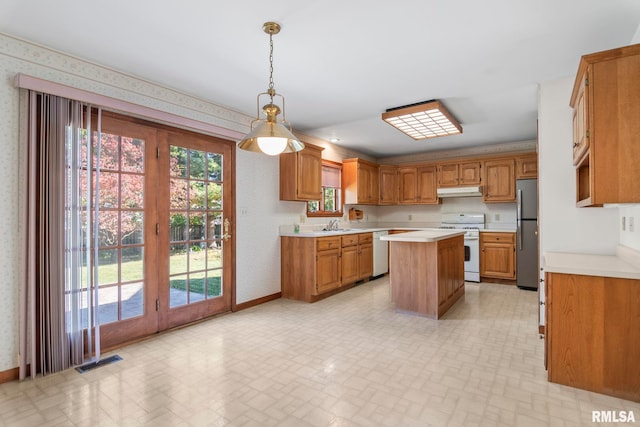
x: 380, y: 254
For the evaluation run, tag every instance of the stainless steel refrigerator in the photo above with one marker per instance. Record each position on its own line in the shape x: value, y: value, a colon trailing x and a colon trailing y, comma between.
x: 527, y: 234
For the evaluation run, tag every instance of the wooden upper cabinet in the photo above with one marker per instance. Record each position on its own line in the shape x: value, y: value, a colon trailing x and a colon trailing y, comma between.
x: 580, y: 121
x: 499, y: 181
x: 606, y: 103
x: 360, y: 182
x: 417, y: 185
x: 407, y: 183
x: 301, y: 174
x: 459, y: 174
x: 448, y: 175
x: 388, y: 185
x: 469, y: 173
x: 426, y: 185
x: 527, y: 166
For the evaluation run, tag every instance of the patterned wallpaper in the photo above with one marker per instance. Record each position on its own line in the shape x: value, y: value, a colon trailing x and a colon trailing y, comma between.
x: 19, y: 56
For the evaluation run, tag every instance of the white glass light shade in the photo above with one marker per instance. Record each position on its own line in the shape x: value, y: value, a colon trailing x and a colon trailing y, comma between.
x: 272, y: 145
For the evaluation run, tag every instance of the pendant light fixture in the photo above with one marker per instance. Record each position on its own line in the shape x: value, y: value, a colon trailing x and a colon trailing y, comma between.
x: 270, y: 135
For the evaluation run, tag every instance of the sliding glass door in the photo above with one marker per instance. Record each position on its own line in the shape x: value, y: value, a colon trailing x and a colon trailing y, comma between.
x: 165, y: 225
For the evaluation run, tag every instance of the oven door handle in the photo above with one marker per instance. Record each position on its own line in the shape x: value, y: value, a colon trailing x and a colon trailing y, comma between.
x: 471, y: 238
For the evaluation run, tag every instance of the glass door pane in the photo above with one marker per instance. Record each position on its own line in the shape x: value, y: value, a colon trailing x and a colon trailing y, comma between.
x: 195, y: 225
x: 195, y: 213
x: 126, y: 174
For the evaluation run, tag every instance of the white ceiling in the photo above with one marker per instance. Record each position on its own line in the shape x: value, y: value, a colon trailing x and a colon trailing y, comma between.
x: 341, y: 63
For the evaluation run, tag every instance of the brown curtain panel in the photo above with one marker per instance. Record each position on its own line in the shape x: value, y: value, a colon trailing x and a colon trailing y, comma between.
x: 51, y: 339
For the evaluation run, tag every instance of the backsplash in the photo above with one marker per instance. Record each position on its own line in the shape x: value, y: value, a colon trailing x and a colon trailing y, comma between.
x: 497, y: 215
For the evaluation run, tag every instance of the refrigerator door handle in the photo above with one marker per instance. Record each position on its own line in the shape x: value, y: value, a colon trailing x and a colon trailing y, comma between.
x: 519, y: 233
x: 519, y: 204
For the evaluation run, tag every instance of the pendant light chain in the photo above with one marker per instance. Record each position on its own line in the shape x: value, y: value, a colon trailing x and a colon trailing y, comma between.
x: 271, y: 89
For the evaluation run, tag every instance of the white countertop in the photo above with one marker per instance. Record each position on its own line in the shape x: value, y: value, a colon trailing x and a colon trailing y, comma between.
x: 322, y: 233
x: 423, y: 235
x: 625, y: 264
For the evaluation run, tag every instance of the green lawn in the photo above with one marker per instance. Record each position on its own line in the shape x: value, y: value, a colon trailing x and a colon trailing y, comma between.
x: 133, y: 270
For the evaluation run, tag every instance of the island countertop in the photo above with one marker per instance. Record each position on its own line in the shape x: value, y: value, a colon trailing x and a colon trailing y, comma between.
x: 432, y: 235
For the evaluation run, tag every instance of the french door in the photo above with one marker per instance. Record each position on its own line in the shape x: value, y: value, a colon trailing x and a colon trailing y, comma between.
x: 165, y: 251
x: 196, y: 227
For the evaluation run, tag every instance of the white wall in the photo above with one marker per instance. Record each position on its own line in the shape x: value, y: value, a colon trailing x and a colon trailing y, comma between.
x: 563, y: 227
x: 627, y: 237
x: 497, y: 215
x: 259, y: 215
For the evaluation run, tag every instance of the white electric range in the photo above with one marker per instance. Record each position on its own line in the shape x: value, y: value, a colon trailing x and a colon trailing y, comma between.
x: 472, y: 223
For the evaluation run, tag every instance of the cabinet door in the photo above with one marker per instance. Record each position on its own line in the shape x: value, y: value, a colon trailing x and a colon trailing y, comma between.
x: 365, y: 260
x: 407, y: 178
x: 500, y: 181
x: 364, y: 183
x: 360, y: 182
x: 469, y: 173
x: 301, y: 174
x: 497, y: 260
x: 527, y: 166
x: 327, y: 270
x: 373, y: 189
x: 580, y: 122
x: 350, y: 264
x: 309, y: 175
x: 427, y: 191
x: 448, y: 175
x: 388, y: 185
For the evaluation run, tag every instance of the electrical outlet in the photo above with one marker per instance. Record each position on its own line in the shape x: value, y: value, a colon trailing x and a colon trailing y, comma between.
x: 244, y: 211
x: 410, y: 217
x: 303, y: 219
x: 497, y: 217
x: 631, y: 225
x: 624, y: 223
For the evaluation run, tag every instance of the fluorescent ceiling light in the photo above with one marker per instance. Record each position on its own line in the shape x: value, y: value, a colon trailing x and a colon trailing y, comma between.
x: 428, y: 119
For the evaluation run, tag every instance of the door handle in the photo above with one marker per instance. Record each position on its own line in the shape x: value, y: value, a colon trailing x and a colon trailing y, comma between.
x: 226, y: 236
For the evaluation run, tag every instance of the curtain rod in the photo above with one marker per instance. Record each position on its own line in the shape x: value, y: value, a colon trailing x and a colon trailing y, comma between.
x: 24, y: 81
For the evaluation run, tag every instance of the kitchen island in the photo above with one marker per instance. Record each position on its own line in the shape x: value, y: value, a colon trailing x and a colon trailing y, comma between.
x: 426, y: 271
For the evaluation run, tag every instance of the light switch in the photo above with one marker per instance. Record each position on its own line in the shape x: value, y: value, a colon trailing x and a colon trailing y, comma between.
x: 624, y: 223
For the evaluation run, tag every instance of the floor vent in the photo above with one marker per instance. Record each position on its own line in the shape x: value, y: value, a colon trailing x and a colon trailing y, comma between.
x: 93, y: 365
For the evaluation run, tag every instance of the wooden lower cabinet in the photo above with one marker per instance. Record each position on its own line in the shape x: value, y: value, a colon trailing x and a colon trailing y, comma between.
x: 592, y: 334
x: 314, y: 267
x: 365, y: 255
x: 327, y: 270
x: 498, y: 255
x: 350, y: 272
x: 426, y: 278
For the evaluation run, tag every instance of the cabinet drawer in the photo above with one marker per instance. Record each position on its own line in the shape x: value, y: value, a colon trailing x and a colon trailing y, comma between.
x: 325, y: 243
x: 365, y: 238
x: 349, y: 240
x: 498, y: 237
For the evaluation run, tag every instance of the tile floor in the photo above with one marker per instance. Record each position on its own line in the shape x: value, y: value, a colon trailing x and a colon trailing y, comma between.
x: 349, y: 360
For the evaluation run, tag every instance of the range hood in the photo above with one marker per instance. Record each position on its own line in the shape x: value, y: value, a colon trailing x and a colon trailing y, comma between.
x: 474, y: 191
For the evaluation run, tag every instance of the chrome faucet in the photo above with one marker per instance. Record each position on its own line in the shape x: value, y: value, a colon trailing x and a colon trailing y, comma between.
x: 333, y: 225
